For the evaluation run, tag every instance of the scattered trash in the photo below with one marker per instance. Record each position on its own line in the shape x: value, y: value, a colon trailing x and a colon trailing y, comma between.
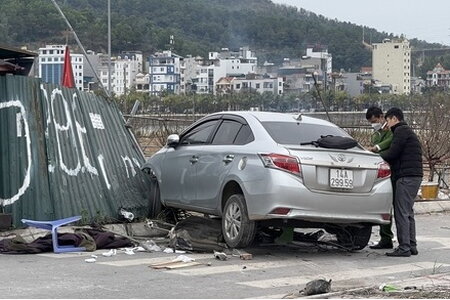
x: 170, y: 250
x: 110, y: 253
x: 128, y: 251
x: 126, y: 214
x: 197, y: 234
x: 94, y: 256
x: 244, y: 267
x: 139, y: 249
x: 181, y: 261
x: 184, y: 258
x: 410, y: 287
x: 220, y: 255
x: 209, y: 264
x: 90, y: 260
x: 151, y: 246
x: 318, y: 286
x: 387, y: 288
x: 246, y: 256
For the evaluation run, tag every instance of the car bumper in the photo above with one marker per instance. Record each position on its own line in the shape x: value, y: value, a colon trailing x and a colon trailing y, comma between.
x: 287, y: 191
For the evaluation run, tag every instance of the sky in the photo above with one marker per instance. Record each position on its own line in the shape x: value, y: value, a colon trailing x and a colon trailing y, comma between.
x: 426, y: 20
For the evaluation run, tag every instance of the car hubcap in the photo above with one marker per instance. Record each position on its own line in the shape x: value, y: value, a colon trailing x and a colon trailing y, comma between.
x: 233, y: 221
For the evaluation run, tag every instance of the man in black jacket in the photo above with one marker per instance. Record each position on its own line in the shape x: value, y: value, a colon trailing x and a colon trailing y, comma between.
x: 405, y: 159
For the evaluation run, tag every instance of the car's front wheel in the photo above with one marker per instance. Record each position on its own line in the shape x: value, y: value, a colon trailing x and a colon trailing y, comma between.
x: 238, y: 230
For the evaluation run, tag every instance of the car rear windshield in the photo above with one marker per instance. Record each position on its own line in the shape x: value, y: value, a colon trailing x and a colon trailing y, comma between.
x: 292, y: 133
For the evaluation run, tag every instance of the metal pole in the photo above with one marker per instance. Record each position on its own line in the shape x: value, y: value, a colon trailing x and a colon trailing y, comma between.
x: 320, y: 97
x: 109, y: 46
x: 80, y: 45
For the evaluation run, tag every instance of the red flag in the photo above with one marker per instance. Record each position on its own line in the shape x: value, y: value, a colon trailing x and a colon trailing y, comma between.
x: 67, y: 77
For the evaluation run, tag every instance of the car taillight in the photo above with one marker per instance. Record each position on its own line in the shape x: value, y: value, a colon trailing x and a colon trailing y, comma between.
x: 383, y: 170
x: 279, y: 161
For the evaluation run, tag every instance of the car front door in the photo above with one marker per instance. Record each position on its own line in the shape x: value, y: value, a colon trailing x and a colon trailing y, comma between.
x: 179, y: 172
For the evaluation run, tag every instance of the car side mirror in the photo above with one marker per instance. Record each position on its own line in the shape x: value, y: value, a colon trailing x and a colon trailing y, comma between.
x: 173, y: 140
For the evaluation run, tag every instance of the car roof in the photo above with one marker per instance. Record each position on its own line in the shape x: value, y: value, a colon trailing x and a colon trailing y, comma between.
x: 277, y: 117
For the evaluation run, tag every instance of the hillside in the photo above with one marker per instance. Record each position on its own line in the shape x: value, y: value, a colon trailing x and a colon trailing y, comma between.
x: 199, y: 26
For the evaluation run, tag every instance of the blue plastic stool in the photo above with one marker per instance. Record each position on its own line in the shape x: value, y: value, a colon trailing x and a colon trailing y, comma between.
x: 53, y: 226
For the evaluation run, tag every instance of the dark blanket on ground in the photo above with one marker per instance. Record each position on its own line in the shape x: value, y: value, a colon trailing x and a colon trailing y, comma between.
x: 91, y: 239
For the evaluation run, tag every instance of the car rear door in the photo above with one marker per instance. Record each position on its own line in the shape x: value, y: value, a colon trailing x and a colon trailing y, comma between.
x: 217, y: 158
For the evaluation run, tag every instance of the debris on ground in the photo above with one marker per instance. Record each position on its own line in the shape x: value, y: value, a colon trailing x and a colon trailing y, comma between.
x: 181, y: 261
x: 220, y: 255
x: 387, y: 287
x: 90, y: 260
x: 197, y: 234
x: 110, y: 253
x: 318, y: 286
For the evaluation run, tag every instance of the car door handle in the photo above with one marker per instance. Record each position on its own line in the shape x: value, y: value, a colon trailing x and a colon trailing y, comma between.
x: 193, y: 159
x: 228, y: 158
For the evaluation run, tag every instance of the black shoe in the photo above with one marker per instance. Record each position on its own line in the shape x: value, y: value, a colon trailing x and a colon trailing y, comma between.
x: 382, y: 245
x: 414, y: 251
x: 399, y: 253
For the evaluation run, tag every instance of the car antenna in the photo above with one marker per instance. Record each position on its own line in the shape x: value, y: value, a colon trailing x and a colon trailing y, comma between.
x: 320, y: 96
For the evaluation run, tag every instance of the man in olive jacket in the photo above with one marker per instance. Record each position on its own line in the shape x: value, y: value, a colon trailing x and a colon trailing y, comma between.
x: 380, y: 143
x: 405, y: 159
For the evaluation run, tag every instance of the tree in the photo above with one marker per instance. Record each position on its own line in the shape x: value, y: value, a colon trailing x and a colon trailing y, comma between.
x: 432, y: 122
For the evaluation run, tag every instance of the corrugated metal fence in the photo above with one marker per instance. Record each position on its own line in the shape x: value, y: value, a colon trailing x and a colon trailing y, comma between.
x: 64, y: 153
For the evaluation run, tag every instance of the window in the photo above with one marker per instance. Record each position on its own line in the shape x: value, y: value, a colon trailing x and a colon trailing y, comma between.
x: 199, y: 134
x: 396, y: 46
x: 238, y: 86
x: 227, y: 133
x: 258, y: 85
x: 294, y: 133
x: 244, y: 136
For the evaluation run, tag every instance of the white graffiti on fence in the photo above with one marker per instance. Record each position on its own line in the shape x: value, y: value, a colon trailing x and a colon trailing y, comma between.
x: 72, y: 130
x: 26, y: 180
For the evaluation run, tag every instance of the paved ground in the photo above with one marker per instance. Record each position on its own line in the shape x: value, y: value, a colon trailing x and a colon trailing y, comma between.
x: 274, y: 272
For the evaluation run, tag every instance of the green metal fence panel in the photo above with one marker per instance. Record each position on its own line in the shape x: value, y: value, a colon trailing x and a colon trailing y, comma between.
x: 83, y: 160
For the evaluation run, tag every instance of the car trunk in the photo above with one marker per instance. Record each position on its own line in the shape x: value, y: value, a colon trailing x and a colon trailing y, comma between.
x: 345, y: 171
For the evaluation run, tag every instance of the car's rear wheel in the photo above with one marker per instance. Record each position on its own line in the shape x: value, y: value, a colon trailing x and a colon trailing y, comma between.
x: 354, y: 237
x: 238, y: 230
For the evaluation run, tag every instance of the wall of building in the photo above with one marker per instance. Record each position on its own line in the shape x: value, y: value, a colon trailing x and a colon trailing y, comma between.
x: 392, y: 63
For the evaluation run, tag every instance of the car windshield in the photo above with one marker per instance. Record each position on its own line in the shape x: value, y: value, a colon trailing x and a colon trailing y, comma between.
x: 294, y: 133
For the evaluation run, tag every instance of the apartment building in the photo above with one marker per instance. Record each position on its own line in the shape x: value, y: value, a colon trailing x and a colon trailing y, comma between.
x: 51, y: 62
x: 391, y: 64
x: 126, y: 66
x: 165, y: 72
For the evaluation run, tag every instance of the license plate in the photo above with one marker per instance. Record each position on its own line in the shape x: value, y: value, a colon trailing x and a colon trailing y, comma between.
x: 342, y: 179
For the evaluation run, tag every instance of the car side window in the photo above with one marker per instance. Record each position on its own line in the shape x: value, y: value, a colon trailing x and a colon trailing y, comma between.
x: 226, y: 133
x: 244, y: 136
x: 199, y: 134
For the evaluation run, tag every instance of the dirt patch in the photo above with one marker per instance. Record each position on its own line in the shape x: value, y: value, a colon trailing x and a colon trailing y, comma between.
x: 438, y: 292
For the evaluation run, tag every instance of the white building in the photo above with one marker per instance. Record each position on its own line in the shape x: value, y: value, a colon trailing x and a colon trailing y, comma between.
x: 165, y: 72
x: 51, y: 62
x: 321, y: 52
x: 391, y: 62
x: 260, y: 84
x: 126, y: 67
x: 203, y: 74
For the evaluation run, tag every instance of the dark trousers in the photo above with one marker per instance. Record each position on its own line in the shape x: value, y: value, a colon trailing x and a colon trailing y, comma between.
x: 406, y: 189
x: 386, y: 234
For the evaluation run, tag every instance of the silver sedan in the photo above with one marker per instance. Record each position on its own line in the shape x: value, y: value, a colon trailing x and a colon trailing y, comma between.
x: 258, y: 169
